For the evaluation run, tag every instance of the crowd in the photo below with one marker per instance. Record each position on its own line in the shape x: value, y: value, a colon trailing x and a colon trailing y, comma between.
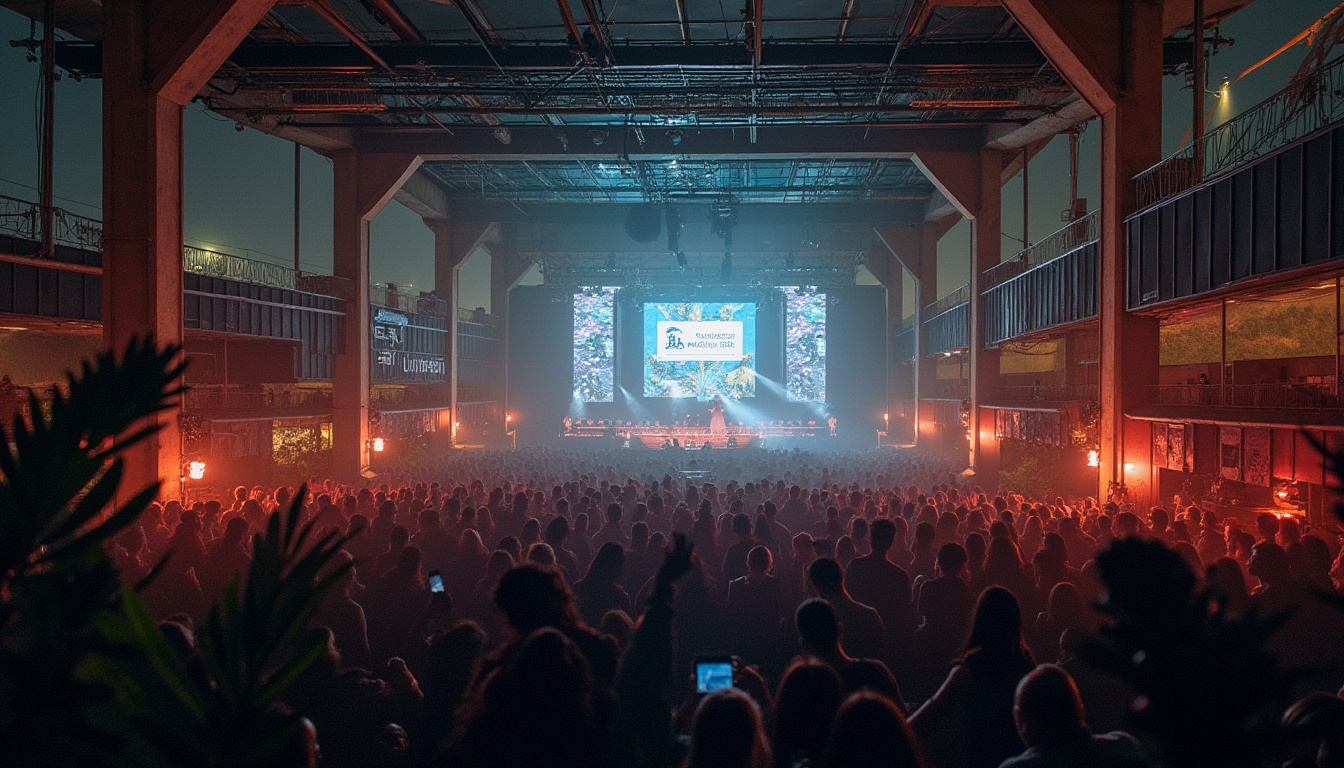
x: 549, y: 608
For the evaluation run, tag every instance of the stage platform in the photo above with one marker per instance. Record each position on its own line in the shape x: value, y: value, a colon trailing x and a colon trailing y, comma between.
x: 695, y: 438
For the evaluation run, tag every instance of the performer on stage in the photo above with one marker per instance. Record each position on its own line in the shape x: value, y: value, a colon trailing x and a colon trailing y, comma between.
x: 717, y: 425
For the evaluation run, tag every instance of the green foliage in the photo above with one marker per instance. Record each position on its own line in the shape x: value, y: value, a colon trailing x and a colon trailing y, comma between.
x: 164, y: 713
x: 1209, y: 689
x: 87, y: 677
x: 59, y: 475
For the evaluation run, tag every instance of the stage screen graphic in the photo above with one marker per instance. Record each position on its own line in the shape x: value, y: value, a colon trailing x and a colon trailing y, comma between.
x: 595, y: 345
x: 805, y: 345
x: 700, y: 350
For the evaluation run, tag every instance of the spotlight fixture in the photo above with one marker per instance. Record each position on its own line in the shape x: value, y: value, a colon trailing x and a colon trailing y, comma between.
x: 503, y: 135
x: 378, y: 444
x: 598, y: 137
x: 196, y: 470
x: 675, y: 136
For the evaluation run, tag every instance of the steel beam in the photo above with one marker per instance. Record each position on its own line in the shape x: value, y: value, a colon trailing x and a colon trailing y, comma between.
x: 799, y: 142
x: 1010, y: 55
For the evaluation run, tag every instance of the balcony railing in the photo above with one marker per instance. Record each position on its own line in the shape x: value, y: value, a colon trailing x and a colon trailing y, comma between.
x: 1073, y: 235
x: 1047, y: 393
x: 959, y: 296
x: 1268, y: 396
x: 23, y: 219
x: 203, y: 261
x: 422, y: 304
x: 202, y: 400
x: 409, y: 399
x: 1306, y: 105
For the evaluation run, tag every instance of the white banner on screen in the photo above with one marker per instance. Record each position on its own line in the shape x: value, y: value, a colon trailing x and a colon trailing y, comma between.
x: 699, y: 340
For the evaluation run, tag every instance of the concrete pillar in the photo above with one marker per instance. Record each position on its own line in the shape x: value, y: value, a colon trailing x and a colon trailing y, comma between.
x: 454, y: 242
x: 984, y: 363
x: 1110, y: 51
x: 1131, y: 138
x: 157, y: 54
x: 926, y: 367
x: 363, y: 185
x: 507, y: 267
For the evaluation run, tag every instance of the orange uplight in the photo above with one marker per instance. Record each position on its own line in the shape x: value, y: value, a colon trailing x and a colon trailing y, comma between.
x: 1094, y: 458
x: 378, y: 444
x: 196, y: 470
x: 508, y: 417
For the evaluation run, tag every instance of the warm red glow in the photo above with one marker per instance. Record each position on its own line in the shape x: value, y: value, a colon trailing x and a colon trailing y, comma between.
x: 378, y: 444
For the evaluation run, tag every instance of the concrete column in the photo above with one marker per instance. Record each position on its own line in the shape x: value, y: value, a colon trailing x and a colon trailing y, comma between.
x: 926, y: 367
x: 507, y: 267
x: 352, y: 373
x: 1110, y: 51
x: 1131, y: 138
x: 454, y: 242
x: 984, y: 363
x: 363, y: 185
x: 156, y: 57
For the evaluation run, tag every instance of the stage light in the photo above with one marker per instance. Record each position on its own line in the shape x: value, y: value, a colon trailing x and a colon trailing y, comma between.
x: 196, y: 470
x: 598, y: 137
x: 378, y: 445
x: 1094, y: 458
x: 675, y: 136
x: 508, y: 418
x: 503, y: 135
x: 1129, y: 467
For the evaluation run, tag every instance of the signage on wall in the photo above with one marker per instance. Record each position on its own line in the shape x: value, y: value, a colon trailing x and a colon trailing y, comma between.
x: 400, y: 355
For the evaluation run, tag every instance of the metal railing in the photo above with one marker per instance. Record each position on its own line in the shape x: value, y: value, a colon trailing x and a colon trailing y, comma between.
x: 1285, y: 396
x: 906, y: 323
x: 1075, y: 234
x: 203, y: 261
x: 422, y: 304
x: 398, y: 399
x: 23, y: 219
x: 959, y: 296
x: 197, y: 400
x: 1047, y: 393
x: 1307, y: 104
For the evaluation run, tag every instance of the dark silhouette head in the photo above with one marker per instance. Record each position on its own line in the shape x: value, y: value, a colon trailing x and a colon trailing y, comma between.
x: 826, y: 576
x: 882, y: 535
x: 870, y: 732
x: 997, y: 624
x: 818, y: 626
x: 1047, y: 707
x: 727, y: 732
x: 809, y: 696
x: 534, y: 596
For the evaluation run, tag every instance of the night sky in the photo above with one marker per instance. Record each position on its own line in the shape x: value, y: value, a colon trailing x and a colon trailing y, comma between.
x: 239, y: 186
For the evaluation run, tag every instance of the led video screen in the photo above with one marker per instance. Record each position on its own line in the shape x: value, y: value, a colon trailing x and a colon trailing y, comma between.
x: 700, y: 350
x: 805, y: 345
x: 595, y: 345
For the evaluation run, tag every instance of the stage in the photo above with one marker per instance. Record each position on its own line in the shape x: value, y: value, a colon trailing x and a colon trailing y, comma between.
x: 695, y: 437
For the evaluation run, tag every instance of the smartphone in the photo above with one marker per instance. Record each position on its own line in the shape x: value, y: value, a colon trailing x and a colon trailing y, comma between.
x: 713, y: 673
x: 435, y: 582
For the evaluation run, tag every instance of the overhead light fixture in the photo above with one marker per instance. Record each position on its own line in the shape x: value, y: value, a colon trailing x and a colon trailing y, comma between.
x: 675, y: 136
x: 598, y: 137
x: 503, y: 135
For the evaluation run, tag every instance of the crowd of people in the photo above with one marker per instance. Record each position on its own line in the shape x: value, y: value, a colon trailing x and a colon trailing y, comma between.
x: 549, y: 608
